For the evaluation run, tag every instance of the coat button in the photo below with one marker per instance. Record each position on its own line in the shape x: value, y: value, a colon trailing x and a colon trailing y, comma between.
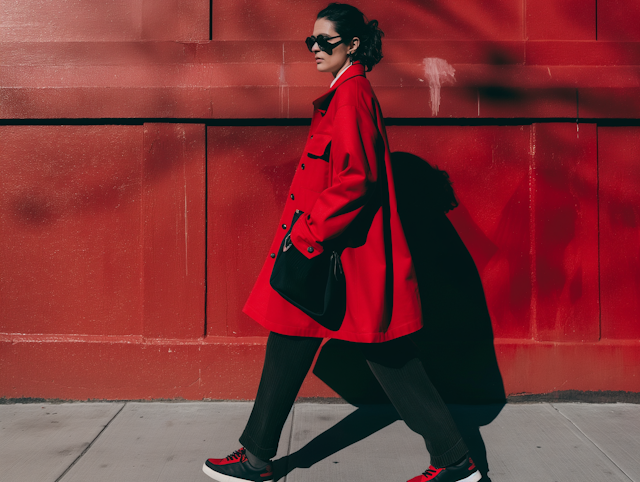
x: 302, y: 166
x: 310, y: 249
x: 284, y: 226
x: 312, y: 136
x: 273, y: 255
x: 292, y: 196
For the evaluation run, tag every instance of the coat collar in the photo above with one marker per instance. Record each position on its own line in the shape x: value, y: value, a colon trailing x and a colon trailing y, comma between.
x: 355, y: 70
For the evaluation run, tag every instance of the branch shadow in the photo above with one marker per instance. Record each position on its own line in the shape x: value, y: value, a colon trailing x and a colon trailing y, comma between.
x: 455, y: 345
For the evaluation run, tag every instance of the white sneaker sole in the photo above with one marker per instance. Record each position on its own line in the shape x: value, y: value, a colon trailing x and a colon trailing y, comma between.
x: 475, y: 477
x: 222, y: 477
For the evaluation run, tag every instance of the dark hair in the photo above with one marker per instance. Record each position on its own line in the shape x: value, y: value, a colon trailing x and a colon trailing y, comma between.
x: 350, y: 22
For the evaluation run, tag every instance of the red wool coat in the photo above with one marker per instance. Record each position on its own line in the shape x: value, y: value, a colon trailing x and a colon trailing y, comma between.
x: 344, y: 186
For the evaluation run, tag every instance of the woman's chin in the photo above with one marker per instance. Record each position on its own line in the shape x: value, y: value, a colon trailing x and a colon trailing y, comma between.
x: 327, y: 68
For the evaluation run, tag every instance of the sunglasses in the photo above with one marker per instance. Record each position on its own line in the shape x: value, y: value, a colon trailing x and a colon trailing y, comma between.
x: 322, y: 43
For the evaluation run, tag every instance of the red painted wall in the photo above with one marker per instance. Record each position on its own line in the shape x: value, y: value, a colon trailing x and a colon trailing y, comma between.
x: 146, y: 150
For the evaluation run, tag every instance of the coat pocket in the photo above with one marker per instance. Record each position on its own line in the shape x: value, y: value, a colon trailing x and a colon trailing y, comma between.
x: 315, y: 163
x: 319, y: 147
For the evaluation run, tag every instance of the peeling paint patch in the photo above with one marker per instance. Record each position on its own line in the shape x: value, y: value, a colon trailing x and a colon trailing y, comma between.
x: 439, y: 72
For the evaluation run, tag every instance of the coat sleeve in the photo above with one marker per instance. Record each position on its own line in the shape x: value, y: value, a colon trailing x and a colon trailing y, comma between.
x: 354, y: 144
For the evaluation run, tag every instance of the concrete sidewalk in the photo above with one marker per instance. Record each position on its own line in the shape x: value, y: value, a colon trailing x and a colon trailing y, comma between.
x: 139, y: 442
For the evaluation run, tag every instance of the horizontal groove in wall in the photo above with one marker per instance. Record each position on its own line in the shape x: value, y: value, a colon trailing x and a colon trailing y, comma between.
x: 390, y: 121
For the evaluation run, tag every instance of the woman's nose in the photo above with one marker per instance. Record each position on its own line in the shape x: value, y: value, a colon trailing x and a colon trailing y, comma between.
x: 315, y: 48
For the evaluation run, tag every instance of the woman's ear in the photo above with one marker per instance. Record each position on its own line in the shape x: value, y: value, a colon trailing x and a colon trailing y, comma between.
x: 353, y: 46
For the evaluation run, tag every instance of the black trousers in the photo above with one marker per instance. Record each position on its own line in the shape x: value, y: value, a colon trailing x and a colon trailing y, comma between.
x: 400, y: 373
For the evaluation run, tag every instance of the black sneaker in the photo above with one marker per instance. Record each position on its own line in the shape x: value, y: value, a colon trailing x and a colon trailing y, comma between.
x: 466, y: 472
x: 236, y: 467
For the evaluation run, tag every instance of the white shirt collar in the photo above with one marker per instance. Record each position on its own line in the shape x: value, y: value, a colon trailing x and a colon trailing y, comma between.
x: 339, y: 74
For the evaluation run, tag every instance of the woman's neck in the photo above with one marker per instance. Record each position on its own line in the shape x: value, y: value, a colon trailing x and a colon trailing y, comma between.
x: 340, y: 72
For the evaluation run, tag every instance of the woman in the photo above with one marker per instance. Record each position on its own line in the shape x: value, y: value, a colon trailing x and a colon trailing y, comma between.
x: 344, y: 187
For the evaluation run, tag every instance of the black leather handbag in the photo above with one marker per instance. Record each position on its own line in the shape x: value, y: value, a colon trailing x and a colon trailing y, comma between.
x: 316, y: 286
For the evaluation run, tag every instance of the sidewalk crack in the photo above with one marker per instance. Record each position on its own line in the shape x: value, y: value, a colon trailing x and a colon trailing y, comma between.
x: 86, y: 449
x: 592, y: 441
x: 293, y: 414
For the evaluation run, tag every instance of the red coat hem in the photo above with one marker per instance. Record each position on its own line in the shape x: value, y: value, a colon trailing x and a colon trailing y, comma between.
x: 319, y: 332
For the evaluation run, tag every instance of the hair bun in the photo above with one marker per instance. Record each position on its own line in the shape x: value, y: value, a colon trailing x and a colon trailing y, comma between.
x: 373, y: 43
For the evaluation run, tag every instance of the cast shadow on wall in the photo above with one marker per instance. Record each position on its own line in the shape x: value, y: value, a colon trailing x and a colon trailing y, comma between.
x: 455, y: 345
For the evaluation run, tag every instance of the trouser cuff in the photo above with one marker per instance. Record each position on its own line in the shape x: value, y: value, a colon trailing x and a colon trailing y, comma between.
x: 451, y: 456
x: 265, y: 454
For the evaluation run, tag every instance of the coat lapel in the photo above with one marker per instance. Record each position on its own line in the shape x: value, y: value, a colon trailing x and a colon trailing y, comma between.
x: 322, y: 102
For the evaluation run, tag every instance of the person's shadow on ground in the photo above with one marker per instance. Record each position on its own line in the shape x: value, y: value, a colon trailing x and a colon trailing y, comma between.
x: 455, y: 345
